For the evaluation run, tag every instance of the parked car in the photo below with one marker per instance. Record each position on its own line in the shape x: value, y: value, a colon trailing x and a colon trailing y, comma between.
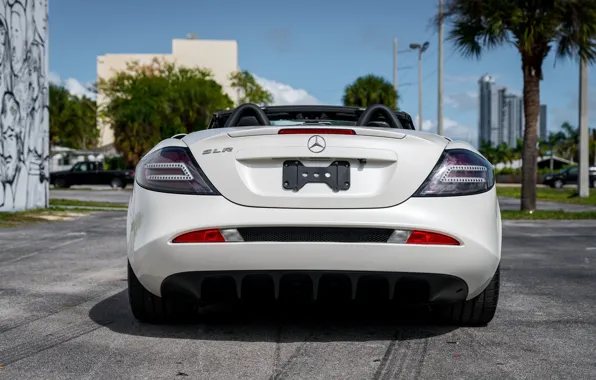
x: 91, y: 173
x: 568, y: 176
x: 317, y: 204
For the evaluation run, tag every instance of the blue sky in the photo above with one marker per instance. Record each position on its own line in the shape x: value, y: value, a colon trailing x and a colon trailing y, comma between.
x: 315, y: 46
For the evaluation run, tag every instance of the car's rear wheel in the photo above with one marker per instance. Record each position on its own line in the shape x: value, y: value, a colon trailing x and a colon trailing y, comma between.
x: 117, y: 183
x: 149, y: 308
x: 478, y: 311
x: 558, y: 184
x: 61, y: 183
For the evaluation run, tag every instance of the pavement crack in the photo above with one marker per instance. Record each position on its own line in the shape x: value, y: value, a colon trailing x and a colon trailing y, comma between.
x: 48, y: 341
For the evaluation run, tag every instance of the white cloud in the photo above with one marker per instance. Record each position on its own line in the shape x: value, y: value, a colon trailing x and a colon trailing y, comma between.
x: 452, y: 129
x: 54, y: 78
x: 72, y: 85
x: 463, y: 100
x: 284, y: 94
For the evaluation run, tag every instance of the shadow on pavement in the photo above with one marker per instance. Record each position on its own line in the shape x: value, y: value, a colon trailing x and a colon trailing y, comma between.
x: 264, y: 324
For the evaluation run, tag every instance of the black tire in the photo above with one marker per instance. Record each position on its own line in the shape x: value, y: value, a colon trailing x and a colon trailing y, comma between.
x: 61, y: 183
x: 117, y: 183
x: 478, y: 311
x: 558, y: 184
x: 149, y: 308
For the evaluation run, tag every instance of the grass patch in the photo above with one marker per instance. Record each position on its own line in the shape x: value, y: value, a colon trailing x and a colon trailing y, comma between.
x: 76, y: 203
x: 23, y: 218
x: 107, y: 188
x: 17, y: 219
x: 547, y: 215
x: 551, y: 195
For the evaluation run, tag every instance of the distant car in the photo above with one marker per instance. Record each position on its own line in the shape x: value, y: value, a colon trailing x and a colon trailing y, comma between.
x: 568, y: 176
x: 91, y: 173
x: 316, y: 203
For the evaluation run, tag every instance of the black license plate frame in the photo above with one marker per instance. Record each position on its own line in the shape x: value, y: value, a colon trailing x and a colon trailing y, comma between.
x: 295, y: 175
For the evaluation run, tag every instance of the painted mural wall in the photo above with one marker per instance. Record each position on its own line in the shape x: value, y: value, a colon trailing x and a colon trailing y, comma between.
x: 24, y: 117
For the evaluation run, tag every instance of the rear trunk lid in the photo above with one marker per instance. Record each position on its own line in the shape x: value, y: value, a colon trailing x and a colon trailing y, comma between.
x: 258, y: 167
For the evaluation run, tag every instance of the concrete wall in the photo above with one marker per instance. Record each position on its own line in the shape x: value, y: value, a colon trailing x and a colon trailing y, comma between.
x: 221, y: 57
x: 24, y: 117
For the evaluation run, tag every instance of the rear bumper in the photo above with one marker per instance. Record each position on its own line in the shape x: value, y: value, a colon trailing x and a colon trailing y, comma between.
x: 401, y: 288
x: 155, y: 218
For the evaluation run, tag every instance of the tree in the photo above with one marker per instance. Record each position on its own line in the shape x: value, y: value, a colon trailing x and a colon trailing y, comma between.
x: 73, y: 120
x: 568, y: 141
x: 251, y: 92
x: 488, y: 151
x: 369, y: 90
x: 148, y: 103
x: 534, y: 28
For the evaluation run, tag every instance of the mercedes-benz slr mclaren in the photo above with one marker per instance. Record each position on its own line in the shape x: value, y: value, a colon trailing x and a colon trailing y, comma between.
x: 325, y: 203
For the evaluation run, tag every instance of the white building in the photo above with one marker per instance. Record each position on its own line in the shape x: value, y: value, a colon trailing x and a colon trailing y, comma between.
x: 218, y: 56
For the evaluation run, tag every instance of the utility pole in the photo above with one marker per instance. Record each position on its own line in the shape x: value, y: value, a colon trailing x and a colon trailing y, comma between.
x: 583, y: 187
x: 440, y: 86
x: 395, y: 66
x: 421, y: 49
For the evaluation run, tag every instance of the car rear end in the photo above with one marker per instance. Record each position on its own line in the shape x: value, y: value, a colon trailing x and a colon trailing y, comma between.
x: 400, y: 215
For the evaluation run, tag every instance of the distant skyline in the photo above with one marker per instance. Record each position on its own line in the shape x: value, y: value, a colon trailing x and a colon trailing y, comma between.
x: 500, y: 114
x: 307, y: 59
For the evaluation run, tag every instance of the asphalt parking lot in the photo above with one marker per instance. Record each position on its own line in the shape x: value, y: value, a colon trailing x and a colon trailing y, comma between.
x: 64, y: 315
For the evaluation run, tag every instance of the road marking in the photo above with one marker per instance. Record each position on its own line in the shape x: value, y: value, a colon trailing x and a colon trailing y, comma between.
x: 40, y: 251
x: 76, y: 234
x: 590, y: 248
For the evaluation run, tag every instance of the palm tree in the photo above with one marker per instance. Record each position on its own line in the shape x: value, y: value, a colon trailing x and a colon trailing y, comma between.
x: 518, y: 149
x: 488, y: 151
x: 368, y: 90
x: 534, y: 28
x: 569, y: 141
x: 504, y: 154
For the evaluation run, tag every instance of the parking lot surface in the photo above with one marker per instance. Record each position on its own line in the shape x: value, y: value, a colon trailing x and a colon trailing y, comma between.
x: 64, y: 315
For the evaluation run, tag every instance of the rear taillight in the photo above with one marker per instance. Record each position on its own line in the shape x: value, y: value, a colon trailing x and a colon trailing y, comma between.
x: 430, y: 238
x: 203, y: 236
x: 316, y: 131
x: 173, y: 170
x: 458, y: 172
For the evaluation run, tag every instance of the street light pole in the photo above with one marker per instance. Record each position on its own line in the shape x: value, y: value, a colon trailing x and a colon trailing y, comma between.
x: 584, y: 183
x: 395, y: 70
x: 440, y: 85
x: 421, y: 49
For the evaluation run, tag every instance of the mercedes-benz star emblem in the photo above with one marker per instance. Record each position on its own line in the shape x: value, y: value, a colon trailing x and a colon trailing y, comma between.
x: 316, y: 144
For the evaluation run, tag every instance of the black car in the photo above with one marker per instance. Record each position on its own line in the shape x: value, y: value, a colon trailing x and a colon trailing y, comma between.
x: 91, y: 173
x: 568, y: 176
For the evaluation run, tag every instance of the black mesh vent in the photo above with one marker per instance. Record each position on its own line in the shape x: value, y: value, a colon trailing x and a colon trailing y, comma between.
x: 315, y: 234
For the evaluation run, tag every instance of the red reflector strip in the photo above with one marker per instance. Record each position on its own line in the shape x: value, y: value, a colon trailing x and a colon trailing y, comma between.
x: 430, y: 238
x: 316, y: 131
x: 204, y: 236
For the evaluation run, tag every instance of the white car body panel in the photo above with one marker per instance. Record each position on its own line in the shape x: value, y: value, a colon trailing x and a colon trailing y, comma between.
x: 250, y: 175
x: 156, y: 218
x: 244, y: 165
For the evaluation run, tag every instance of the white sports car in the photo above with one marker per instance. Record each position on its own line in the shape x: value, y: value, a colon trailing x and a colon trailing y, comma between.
x: 322, y: 203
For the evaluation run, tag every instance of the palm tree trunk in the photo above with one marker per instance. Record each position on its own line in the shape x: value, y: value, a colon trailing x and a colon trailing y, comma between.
x: 530, y: 153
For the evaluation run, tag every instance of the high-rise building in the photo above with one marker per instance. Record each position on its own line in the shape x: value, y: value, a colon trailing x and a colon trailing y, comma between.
x: 501, y: 115
x: 515, y: 118
x: 542, y: 119
x: 492, y: 115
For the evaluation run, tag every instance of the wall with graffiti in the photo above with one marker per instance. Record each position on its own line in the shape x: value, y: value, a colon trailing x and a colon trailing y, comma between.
x: 24, y: 118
